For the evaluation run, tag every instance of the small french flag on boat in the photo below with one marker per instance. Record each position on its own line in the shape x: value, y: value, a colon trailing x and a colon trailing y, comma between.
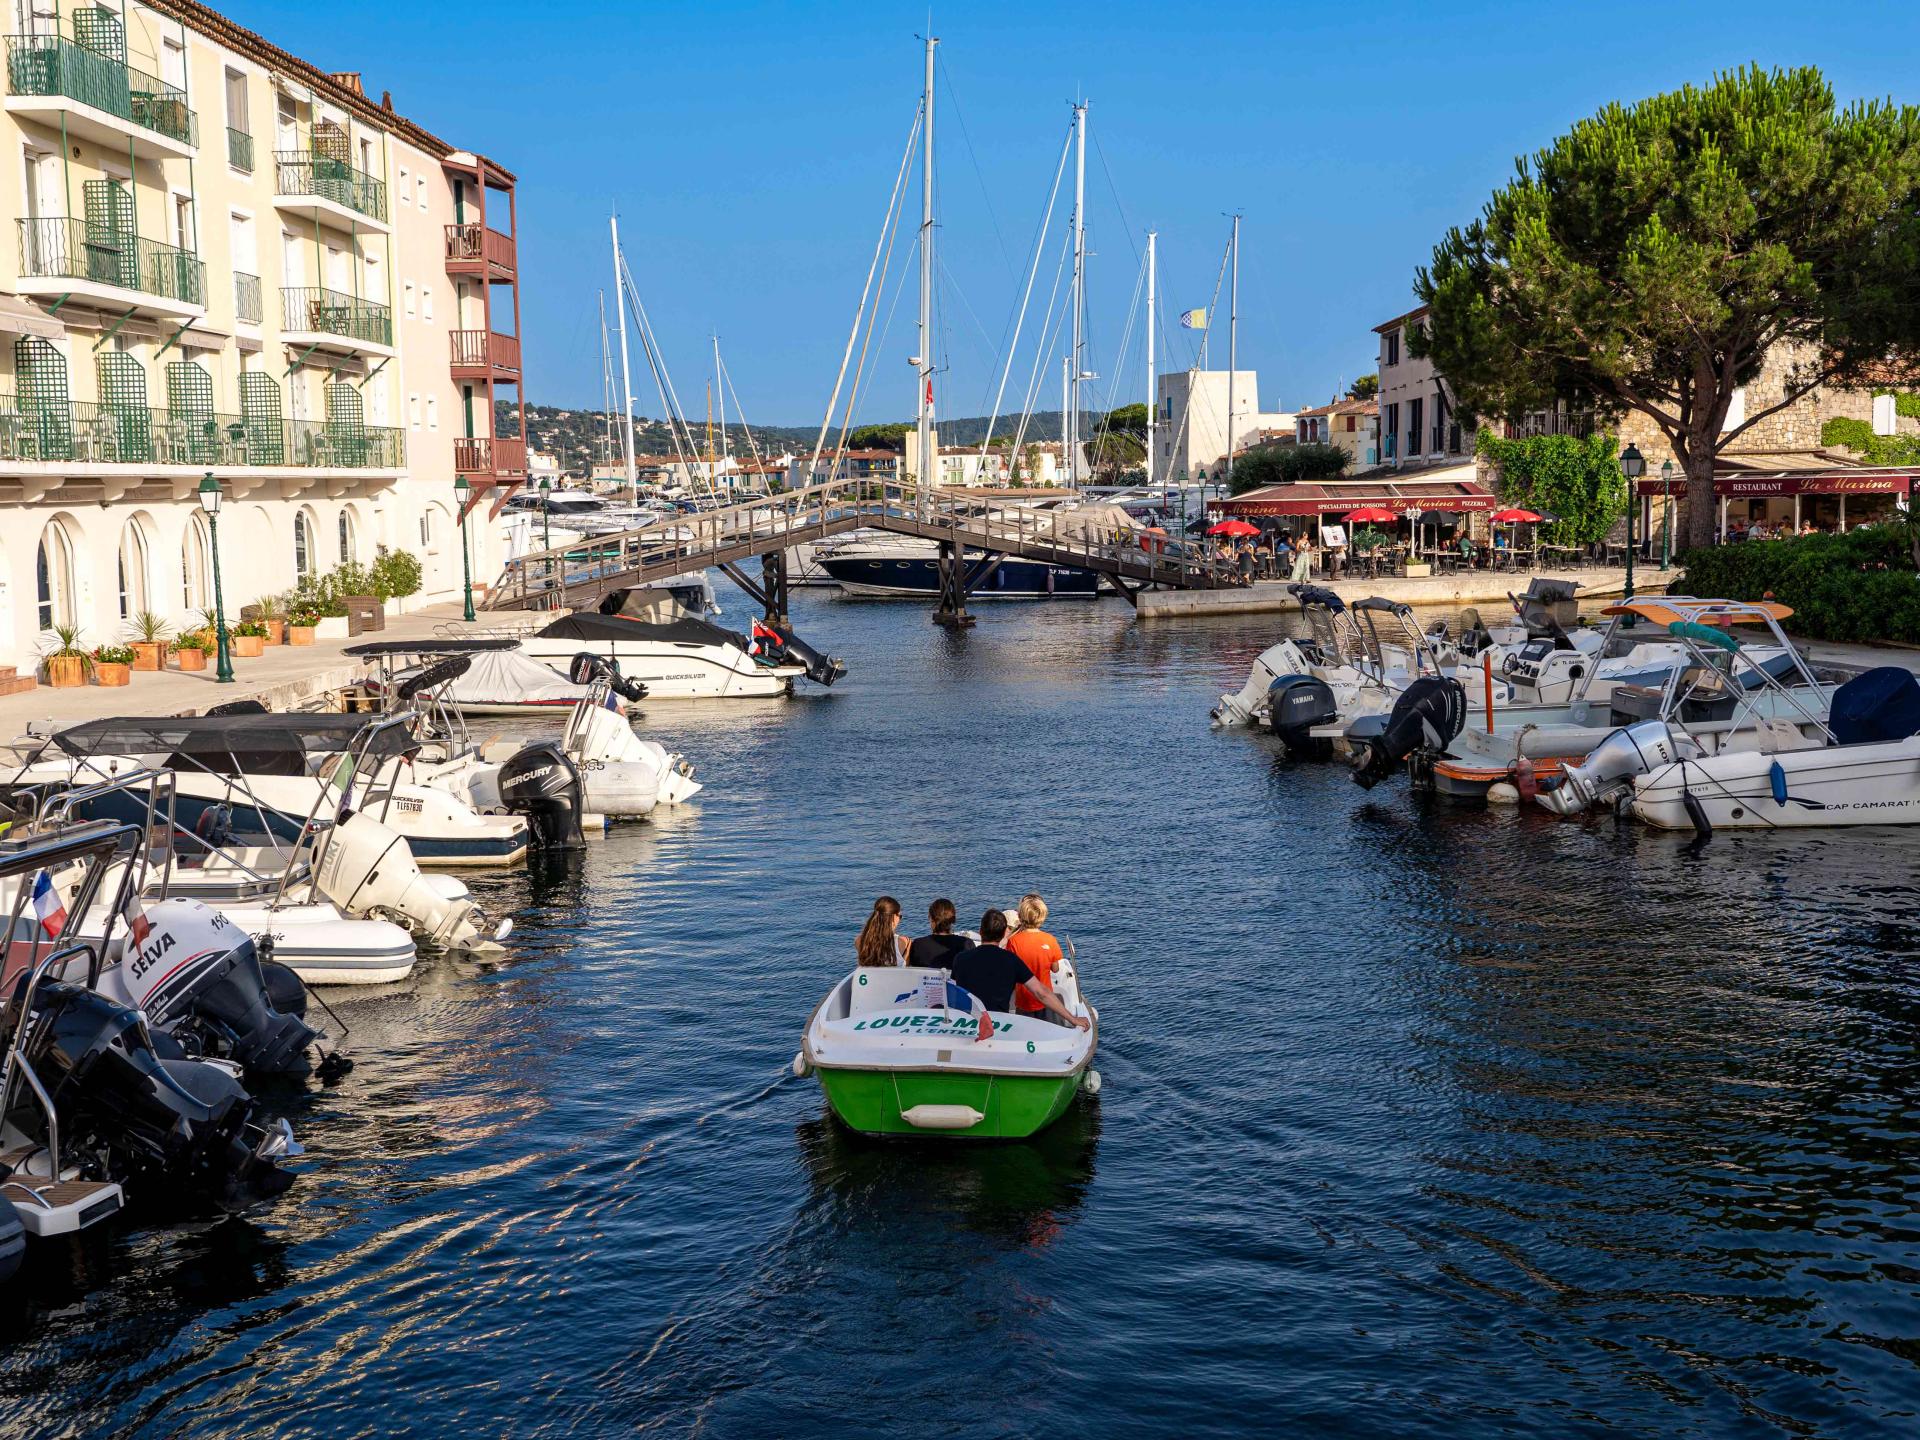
x: 47, y: 906
x: 765, y: 638
x: 964, y: 1001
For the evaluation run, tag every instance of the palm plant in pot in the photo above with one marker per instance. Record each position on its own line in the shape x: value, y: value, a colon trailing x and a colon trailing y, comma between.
x: 273, y: 614
x: 248, y: 638
x: 66, y: 659
x: 150, y: 650
x: 113, y: 664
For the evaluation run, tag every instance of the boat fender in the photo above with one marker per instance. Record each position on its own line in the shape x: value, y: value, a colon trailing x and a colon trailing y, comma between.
x: 1502, y: 792
x: 800, y: 1066
x: 1523, y: 778
x: 1777, y: 778
x: 1696, y: 812
x: 942, y: 1117
x: 1093, y: 1082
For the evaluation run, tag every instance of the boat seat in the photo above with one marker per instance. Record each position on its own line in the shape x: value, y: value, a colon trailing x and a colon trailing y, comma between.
x: 888, y: 986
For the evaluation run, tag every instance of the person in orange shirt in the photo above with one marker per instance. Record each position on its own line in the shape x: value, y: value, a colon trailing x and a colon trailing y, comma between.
x: 1039, y: 950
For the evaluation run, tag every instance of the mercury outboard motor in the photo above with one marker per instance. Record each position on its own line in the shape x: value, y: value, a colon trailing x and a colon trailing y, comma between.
x: 821, y: 669
x: 200, y: 978
x: 185, y: 1129
x: 1429, y: 714
x: 1295, y: 704
x: 588, y: 667
x: 541, y: 783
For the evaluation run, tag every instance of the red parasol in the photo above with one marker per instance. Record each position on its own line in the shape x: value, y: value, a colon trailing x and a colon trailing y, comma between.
x: 1371, y: 517
x: 1234, y: 527
x: 1515, y: 517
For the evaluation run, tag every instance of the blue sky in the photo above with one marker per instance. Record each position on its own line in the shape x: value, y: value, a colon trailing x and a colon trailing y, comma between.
x: 750, y: 149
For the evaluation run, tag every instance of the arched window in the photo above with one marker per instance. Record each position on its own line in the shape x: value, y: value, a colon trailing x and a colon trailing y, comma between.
x: 54, y: 573
x: 134, y: 595
x: 196, y: 565
x: 347, y: 545
x: 302, y: 546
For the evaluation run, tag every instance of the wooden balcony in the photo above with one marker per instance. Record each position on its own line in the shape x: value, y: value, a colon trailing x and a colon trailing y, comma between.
x: 502, y: 459
x: 476, y: 249
x: 485, y: 354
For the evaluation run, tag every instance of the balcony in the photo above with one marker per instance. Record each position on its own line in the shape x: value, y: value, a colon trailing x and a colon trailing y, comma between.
x: 477, y: 455
x: 52, y: 80
x: 322, y: 319
x: 139, y: 435
x: 70, y: 258
x: 330, y: 192
x: 475, y: 249
x: 246, y: 298
x: 484, y: 354
x: 240, y: 150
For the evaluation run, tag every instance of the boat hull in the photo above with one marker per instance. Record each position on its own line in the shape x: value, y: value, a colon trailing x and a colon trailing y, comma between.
x: 676, y: 672
x: 1014, y: 1107
x: 1869, y: 784
x: 917, y: 577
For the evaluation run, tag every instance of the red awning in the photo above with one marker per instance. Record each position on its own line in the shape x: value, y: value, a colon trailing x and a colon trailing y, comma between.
x: 1338, y: 500
x: 1736, y: 485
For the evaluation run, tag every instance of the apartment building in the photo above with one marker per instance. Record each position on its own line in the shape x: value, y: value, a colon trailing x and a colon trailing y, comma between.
x: 1353, y: 425
x: 1418, y: 424
x: 228, y: 261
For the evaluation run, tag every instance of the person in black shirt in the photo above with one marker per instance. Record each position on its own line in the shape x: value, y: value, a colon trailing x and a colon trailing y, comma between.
x: 992, y: 973
x: 936, y: 951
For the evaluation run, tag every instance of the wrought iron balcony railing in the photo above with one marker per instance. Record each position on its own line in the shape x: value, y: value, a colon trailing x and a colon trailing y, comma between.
x: 246, y: 297
x: 240, y: 150
x: 299, y: 172
x: 59, y: 248
x: 55, y: 65
x: 312, y: 309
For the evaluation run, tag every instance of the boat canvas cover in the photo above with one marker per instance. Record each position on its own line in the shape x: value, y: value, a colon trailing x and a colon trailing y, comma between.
x: 512, y: 677
x: 261, y: 744
x: 680, y: 629
x: 374, y: 649
x: 1093, y: 522
x: 1877, y: 705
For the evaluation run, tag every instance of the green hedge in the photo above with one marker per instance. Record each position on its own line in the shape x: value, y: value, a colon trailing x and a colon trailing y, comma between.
x: 1576, y: 479
x: 1859, y: 586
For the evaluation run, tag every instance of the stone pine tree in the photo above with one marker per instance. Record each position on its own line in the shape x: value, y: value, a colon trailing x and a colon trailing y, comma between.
x: 1649, y: 259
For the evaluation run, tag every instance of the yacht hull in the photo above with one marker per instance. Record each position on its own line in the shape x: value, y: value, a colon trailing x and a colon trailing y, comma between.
x: 678, y: 672
x: 917, y: 577
x: 1869, y: 784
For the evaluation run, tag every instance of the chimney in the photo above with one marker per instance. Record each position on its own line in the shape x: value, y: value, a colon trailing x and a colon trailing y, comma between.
x: 349, y: 80
x: 386, y: 101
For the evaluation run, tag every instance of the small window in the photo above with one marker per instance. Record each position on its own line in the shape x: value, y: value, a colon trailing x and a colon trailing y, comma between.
x: 426, y: 528
x: 433, y: 412
x: 1391, y: 355
x: 402, y: 186
x: 421, y: 181
x: 1886, y: 412
x: 426, y: 303
x: 413, y: 412
x: 407, y: 290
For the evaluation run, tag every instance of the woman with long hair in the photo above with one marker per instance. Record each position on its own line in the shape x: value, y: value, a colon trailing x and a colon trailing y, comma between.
x: 880, y: 942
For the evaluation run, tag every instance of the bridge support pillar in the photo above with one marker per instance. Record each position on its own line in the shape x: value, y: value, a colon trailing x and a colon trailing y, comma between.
x: 952, y: 610
x: 773, y: 585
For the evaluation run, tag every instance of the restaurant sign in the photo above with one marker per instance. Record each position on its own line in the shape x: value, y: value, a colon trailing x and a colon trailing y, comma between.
x: 1734, y: 487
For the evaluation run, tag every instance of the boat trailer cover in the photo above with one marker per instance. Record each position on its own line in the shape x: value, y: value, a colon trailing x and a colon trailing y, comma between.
x: 1877, y: 705
x: 259, y: 744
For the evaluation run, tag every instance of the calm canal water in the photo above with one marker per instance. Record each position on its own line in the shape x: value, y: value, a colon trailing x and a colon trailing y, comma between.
x: 1450, y: 1123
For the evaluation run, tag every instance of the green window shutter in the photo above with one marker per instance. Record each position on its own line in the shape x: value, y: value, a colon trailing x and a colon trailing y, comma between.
x: 190, y: 406
x: 260, y: 413
x: 128, y: 423
x: 40, y: 377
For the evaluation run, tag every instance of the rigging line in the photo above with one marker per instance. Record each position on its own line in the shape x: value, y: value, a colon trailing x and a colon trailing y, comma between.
x: 1114, y: 190
x: 853, y: 332
x: 1126, y: 339
x: 726, y: 378
x: 873, y: 315
x: 986, y: 340
x: 1039, y: 249
x: 1186, y: 410
x: 953, y: 98
x: 1049, y: 332
x: 670, y: 398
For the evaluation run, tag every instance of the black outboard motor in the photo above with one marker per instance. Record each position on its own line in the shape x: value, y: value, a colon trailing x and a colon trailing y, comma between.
x: 541, y: 783
x: 821, y: 669
x: 588, y: 667
x: 184, y: 1129
x: 1429, y: 714
x: 1295, y: 704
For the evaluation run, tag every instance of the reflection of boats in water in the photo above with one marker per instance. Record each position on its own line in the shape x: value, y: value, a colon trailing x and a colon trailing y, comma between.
x: 1024, y: 1194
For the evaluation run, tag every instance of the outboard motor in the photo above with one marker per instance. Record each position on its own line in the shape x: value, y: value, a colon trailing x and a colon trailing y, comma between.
x: 588, y: 667
x: 1612, y: 764
x: 184, y: 1128
x: 199, y: 978
x: 541, y: 783
x: 368, y: 870
x: 821, y: 669
x: 1295, y: 705
x: 1429, y: 714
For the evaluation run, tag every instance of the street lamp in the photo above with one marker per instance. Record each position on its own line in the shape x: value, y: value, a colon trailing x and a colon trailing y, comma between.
x: 210, y: 502
x: 461, y: 490
x: 1633, y: 465
x: 1666, y: 516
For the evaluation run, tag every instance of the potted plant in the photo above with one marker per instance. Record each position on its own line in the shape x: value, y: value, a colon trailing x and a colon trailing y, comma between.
x: 300, y: 626
x: 195, y: 640
x: 113, y: 664
x: 67, y: 662
x: 273, y: 614
x: 150, y: 650
x: 248, y: 638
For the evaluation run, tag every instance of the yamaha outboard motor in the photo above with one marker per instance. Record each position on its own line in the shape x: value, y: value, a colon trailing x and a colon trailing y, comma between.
x: 1295, y: 705
x: 541, y: 783
x: 1429, y: 714
x: 200, y: 978
x: 588, y: 667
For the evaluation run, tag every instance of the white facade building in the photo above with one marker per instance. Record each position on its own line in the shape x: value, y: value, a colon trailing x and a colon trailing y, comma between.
x: 1192, y: 426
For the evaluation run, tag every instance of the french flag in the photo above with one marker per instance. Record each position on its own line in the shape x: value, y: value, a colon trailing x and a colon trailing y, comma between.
x: 765, y: 638
x: 47, y: 906
x: 966, y: 1002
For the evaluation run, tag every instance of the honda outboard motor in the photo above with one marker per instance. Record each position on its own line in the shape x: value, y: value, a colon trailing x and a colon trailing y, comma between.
x: 541, y: 783
x: 588, y: 667
x: 183, y: 1128
x: 1295, y: 704
x: 1429, y: 714
x: 1613, y: 763
x: 199, y: 978
x: 821, y: 669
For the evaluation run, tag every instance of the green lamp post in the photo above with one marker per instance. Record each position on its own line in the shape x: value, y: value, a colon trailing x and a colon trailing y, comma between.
x: 210, y: 503
x: 461, y: 490
x: 1633, y: 465
x: 1666, y: 516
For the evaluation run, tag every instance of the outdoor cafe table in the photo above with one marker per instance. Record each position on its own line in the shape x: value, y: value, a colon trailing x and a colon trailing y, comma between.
x: 1560, y: 554
x: 1510, y: 558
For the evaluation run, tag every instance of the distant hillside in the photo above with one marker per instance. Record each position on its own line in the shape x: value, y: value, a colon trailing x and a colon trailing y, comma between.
x: 579, y: 437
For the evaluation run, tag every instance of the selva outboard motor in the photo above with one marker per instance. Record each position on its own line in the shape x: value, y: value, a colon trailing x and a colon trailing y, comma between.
x: 541, y: 783
x: 1295, y: 704
x: 201, y: 979
x: 1429, y: 714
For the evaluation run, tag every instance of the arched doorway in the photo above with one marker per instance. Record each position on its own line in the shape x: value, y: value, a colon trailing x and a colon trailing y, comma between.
x: 305, y: 555
x: 53, y: 574
x: 196, y: 565
x: 134, y: 576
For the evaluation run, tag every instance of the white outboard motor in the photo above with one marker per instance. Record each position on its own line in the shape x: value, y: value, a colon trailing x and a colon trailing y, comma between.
x: 1250, y: 704
x: 369, y: 871
x: 1612, y: 765
x: 199, y: 978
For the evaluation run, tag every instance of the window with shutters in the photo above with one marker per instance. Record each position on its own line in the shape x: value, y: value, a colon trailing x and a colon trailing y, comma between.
x: 1886, y: 414
x: 262, y: 430
x: 126, y: 423
x: 40, y: 386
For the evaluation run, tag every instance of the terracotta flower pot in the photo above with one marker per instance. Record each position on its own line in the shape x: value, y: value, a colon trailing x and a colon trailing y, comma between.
x: 247, y: 646
x: 276, y: 632
x: 149, y: 654
x: 191, y: 657
x: 66, y: 671
x: 108, y: 673
x: 300, y: 634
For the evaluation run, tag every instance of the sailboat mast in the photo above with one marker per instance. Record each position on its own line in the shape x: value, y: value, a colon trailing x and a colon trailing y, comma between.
x: 925, y: 358
x: 626, y: 375
x: 606, y: 388
x: 720, y: 383
x: 1152, y: 399
x: 1079, y: 287
x: 1233, y: 345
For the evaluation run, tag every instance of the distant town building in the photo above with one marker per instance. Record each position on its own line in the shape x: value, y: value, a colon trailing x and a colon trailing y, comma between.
x: 1418, y: 422
x: 1353, y: 425
x: 1193, y: 428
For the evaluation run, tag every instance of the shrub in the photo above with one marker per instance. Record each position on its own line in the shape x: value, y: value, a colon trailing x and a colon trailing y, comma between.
x: 151, y: 629
x: 251, y: 627
x: 113, y: 655
x: 304, y: 618
x: 1285, y: 464
x: 1860, y: 586
x: 1575, y: 480
x: 396, y: 574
